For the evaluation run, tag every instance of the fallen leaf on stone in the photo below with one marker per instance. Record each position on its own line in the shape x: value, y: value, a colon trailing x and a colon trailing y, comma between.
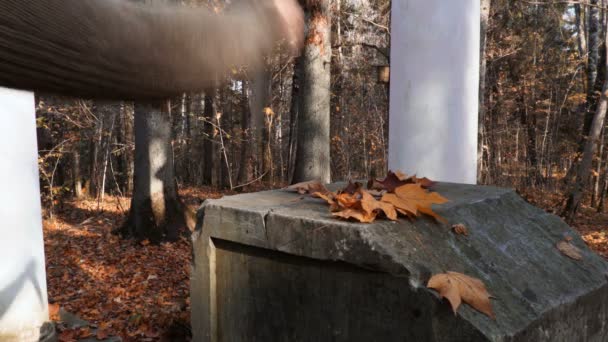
x: 569, y: 250
x: 309, y: 187
x: 460, y: 229
x: 329, y: 198
x: 373, y: 184
x: 425, y: 182
x: 352, y: 188
x: 362, y: 207
x: 370, y: 204
x: 346, y: 200
x: 394, y: 180
x: 358, y: 215
x: 457, y: 288
x: 413, y: 199
x: 377, y: 193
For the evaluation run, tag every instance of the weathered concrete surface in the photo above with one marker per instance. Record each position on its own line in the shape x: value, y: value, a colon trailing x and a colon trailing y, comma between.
x: 275, y: 266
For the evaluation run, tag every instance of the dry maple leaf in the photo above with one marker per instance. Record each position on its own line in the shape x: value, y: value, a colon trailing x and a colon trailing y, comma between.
x: 358, y: 215
x: 458, y: 288
x: 308, y: 187
x: 346, y: 200
x: 370, y: 204
x: 460, y: 229
x: 330, y: 199
x: 352, y: 188
x: 67, y: 336
x: 569, y: 250
x: 413, y: 199
x: 394, y: 180
x: 101, y: 334
x: 362, y: 207
x: 425, y: 182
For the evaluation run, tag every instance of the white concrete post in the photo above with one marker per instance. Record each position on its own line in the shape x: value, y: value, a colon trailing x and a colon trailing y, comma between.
x: 23, y: 296
x: 434, y: 88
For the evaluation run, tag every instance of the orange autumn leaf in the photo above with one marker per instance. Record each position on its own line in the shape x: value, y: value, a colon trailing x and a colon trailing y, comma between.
x: 414, y: 199
x: 346, y: 200
x: 309, y: 187
x: 425, y: 182
x: 370, y: 204
x: 330, y: 199
x: 392, y: 181
x: 362, y: 207
x: 457, y: 288
x: 352, y: 188
x: 355, y: 214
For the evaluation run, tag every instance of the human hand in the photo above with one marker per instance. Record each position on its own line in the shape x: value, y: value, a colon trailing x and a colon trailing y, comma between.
x: 290, y: 24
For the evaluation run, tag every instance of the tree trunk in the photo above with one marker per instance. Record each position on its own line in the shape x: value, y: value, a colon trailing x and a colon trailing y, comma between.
x: 93, y: 188
x: 76, y: 173
x: 581, y: 32
x: 124, y: 138
x: 313, y: 146
x: 592, y: 63
x: 485, y: 14
x: 107, y: 147
x: 156, y: 211
x: 245, y: 166
x: 598, y: 171
x: 600, y: 206
x: 260, y: 99
x: 208, y: 160
x: 577, y: 190
x: 293, y: 118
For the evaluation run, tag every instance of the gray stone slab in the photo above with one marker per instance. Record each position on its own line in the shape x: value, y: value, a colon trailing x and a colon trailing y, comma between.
x: 276, y: 266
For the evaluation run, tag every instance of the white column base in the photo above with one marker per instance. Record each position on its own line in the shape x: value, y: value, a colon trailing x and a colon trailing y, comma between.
x: 434, y: 89
x: 23, y: 295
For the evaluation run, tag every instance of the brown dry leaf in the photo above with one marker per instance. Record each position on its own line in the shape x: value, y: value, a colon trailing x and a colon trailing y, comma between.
x: 373, y: 184
x: 394, y: 180
x: 101, y: 334
x: 405, y: 213
x: 362, y: 206
x: 457, y: 287
x: 329, y: 198
x: 67, y: 336
x: 460, y: 229
x: 413, y: 199
x: 425, y: 182
x: 346, y: 200
x: 54, y: 312
x: 352, y: 188
x: 377, y: 193
x: 308, y: 187
x: 569, y: 250
x: 370, y: 204
x: 358, y: 215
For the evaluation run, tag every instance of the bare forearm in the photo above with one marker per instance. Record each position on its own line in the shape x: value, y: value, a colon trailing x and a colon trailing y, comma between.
x: 115, y: 49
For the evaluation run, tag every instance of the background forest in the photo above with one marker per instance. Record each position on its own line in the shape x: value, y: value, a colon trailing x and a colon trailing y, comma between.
x: 541, y: 128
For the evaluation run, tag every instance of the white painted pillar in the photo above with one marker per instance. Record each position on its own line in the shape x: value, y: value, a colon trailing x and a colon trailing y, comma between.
x: 23, y: 296
x: 434, y: 88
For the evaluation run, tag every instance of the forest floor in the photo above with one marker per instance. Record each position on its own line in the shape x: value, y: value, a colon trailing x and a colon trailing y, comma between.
x: 140, y: 291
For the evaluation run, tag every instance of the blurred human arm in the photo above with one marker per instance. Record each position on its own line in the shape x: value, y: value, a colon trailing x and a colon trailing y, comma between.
x: 116, y: 49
